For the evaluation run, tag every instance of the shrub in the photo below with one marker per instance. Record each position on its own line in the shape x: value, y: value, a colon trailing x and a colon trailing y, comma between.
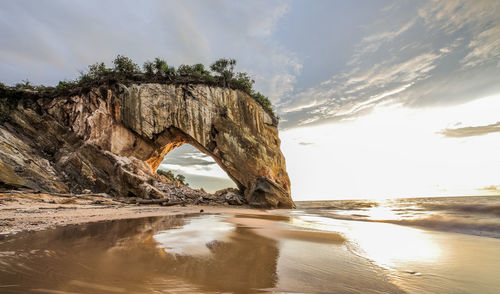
x: 196, y: 71
x: 243, y: 82
x: 181, y: 179
x: 25, y: 85
x: 85, y: 80
x: 166, y: 173
x: 223, y: 111
x: 225, y: 68
x: 125, y: 65
x: 124, y: 70
x: 171, y: 177
x: 160, y: 66
x: 63, y: 87
x: 149, y: 68
x: 98, y: 70
x: 264, y: 101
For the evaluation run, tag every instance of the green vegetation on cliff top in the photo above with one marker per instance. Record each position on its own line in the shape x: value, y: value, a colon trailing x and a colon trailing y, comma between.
x: 171, y: 177
x: 221, y: 73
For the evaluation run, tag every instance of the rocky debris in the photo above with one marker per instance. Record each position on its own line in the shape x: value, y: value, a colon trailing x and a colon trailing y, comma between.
x: 112, y: 138
x: 29, y: 210
x: 231, y: 196
x: 225, y: 191
x: 172, y: 195
x: 234, y: 199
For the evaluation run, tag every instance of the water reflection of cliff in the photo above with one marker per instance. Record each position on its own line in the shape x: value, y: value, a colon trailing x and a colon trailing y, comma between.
x: 122, y: 256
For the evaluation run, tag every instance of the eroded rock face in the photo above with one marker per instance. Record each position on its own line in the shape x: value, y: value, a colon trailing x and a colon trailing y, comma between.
x: 113, y: 139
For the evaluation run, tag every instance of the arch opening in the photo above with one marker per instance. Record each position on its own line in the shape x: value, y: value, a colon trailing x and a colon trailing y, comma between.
x: 200, y: 171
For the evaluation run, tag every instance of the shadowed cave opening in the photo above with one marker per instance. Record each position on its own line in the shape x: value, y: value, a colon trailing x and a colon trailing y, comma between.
x: 199, y: 169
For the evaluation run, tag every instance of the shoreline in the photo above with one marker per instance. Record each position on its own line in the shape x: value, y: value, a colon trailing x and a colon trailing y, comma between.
x: 40, y: 211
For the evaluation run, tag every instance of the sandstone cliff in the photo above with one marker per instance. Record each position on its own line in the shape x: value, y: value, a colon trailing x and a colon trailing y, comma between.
x: 112, y: 138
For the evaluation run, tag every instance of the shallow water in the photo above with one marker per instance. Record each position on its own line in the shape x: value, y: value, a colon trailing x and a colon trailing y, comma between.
x: 426, y: 245
x: 468, y: 215
x: 304, y: 250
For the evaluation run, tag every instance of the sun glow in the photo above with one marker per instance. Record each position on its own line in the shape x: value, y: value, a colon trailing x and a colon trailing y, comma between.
x: 395, y: 152
x: 385, y: 244
x: 389, y: 244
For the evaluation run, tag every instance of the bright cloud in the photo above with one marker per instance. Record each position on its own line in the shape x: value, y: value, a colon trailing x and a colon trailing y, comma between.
x: 395, y: 152
x: 448, y: 53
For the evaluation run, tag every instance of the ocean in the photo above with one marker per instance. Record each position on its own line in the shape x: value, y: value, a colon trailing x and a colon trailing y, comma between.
x: 478, y: 216
x: 424, y: 245
x: 415, y: 245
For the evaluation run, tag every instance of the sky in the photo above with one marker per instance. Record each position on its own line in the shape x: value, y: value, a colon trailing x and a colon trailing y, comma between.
x: 379, y: 98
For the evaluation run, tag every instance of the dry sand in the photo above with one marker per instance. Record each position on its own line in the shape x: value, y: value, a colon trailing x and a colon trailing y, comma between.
x: 38, y: 211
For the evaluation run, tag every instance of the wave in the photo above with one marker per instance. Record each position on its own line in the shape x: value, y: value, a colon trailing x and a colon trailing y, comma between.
x: 465, y: 207
x: 436, y: 222
x: 451, y: 224
x: 337, y: 204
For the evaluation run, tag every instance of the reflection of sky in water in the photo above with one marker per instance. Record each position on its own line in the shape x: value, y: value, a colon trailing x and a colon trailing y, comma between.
x: 385, y: 209
x: 387, y: 245
x: 191, y: 239
x: 390, y: 245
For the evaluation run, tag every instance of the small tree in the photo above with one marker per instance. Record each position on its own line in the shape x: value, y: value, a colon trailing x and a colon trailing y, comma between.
x: 26, y: 84
x: 167, y: 174
x: 148, y: 68
x: 225, y: 68
x: 125, y: 65
x: 243, y: 82
x: 64, y: 86
x: 98, y: 70
x: 181, y: 179
x: 195, y: 71
x: 160, y: 66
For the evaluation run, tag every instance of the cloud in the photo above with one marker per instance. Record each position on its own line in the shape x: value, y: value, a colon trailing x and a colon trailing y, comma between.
x: 480, y: 17
x: 471, y: 131
x: 190, y: 160
x: 352, y: 93
x: 492, y: 188
x: 445, y: 55
x: 372, y: 43
x: 385, y: 36
x: 454, y: 15
x: 49, y: 41
x: 308, y: 103
x: 485, y: 48
x: 357, y: 106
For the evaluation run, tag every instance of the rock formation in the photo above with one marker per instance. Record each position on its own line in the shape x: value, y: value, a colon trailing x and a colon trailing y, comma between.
x: 112, y: 139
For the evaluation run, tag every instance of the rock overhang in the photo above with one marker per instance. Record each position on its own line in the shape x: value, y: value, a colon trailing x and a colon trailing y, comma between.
x: 114, y: 136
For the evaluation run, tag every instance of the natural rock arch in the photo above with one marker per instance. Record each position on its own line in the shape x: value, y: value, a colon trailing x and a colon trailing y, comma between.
x: 146, y: 121
x: 200, y: 170
x: 181, y: 140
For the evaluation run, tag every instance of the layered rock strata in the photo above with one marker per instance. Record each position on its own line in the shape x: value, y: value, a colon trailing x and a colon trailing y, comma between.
x: 113, y: 138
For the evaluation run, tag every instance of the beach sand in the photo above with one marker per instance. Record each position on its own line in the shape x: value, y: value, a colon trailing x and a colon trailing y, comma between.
x: 223, y: 250
x: 38, y: 211
x: 99, y: 245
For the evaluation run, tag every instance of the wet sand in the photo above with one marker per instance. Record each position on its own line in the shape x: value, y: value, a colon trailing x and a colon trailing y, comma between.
x: 243, y: 252
x: 39, y: 211
x: 98, y: 246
